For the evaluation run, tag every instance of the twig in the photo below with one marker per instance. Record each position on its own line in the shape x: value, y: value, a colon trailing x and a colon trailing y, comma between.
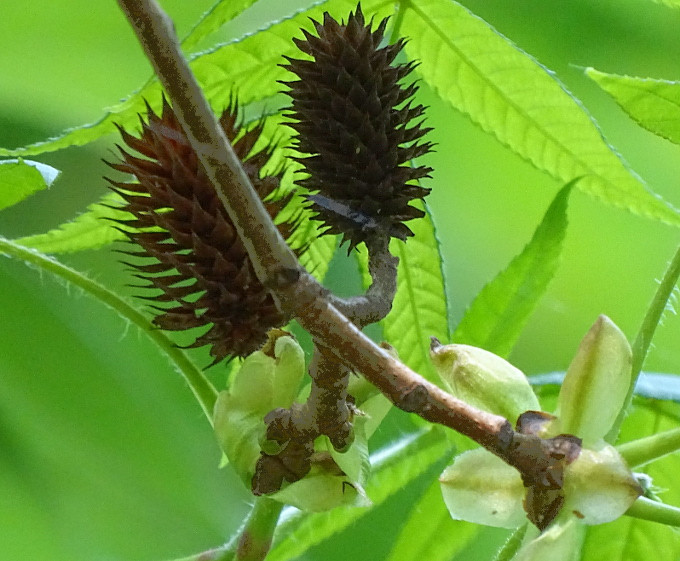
x: 254, y: 538
x: 277, y: 268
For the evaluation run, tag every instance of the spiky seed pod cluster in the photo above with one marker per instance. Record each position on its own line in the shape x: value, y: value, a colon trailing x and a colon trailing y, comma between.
x: 358, y: 128
x: 198, y: 262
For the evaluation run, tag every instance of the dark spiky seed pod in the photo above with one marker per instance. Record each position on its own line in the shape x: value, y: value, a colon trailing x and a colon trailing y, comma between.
x: 198, y: 262
x: 358, y: 129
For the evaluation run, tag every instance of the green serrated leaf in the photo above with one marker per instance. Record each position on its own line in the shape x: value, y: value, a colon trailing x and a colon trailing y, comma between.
x: 318, y: 250
x: 420, y: 309
x: 361, y: 255
x: 642, y: 537
x: 430, y: 533
x: 393, y: 469
x: 90, y: 230
x: 508, y: 93
x: 653, y: 104
x: 21, y: 178
x: 221, y: 12
x: 248, y: 66
x: 499, y: 312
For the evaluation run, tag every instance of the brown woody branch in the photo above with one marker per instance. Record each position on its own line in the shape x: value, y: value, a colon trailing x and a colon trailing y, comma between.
x: 540, y: 462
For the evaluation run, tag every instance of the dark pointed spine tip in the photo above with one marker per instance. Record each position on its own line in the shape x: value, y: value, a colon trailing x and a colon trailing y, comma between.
x: 357, y: 128
x: 191, y: 256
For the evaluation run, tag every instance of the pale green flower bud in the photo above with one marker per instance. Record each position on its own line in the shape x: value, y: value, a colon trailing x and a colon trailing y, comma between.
x: 596, y: 384
x: 599, y: 487
x: 265, y: 381
x: 483, y: 380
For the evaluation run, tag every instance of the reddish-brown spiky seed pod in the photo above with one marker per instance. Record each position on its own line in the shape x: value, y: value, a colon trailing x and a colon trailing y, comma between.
x: 198, y: 262
x: 358, y: 130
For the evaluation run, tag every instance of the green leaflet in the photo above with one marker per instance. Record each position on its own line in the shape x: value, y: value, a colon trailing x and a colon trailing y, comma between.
x: 430, y: 533
x: 509, y: 94
x: 499, y: 312
x: 641, y: 537
x: 247, y: 66
x: 222, y: 12
x: 124, y: 114
x: 362, y: 265
x: 21, y: 178
x: 89, y: 230
x: 653, y: 104
x: 419, y: 310
x: 393, y: 469
x: 318, y: 255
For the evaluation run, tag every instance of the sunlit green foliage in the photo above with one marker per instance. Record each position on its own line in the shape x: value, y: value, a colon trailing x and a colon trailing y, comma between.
x: 466, y: 66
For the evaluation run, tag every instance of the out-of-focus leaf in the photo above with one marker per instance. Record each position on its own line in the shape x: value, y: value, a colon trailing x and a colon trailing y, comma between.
x: 430, y: 533
x: 669, y: 3
x: 653, y: 104
x: 248, y: 66
x: 89, y: 230
x: 203, y: 390
x: 496, y: 317
x: 393, y: 469
x: 222, y: 12
x: 419, y: 310
x: 508, y: 93
x: 661, y: 302
x: 21, y: 178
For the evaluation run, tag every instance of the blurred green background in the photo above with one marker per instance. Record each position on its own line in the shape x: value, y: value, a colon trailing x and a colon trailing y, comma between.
x: 103, y: 452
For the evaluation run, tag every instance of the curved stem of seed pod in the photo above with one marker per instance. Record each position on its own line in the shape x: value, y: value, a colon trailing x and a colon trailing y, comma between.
x: 377, y: 302
x: 539, y: 463
x: 267, y: 249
